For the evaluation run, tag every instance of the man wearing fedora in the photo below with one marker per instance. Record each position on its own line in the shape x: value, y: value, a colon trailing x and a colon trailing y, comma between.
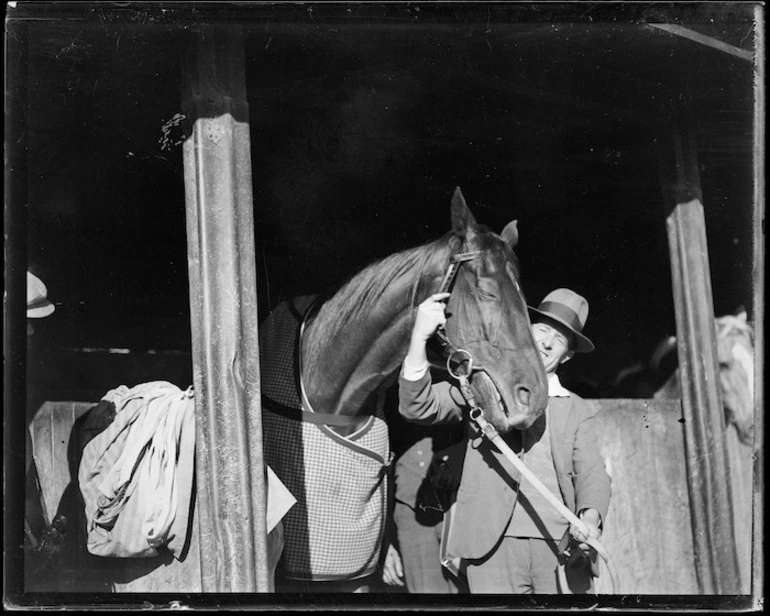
x: 501, y: 532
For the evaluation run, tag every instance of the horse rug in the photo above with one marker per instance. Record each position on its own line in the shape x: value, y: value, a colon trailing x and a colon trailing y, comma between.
x: 335, y: 530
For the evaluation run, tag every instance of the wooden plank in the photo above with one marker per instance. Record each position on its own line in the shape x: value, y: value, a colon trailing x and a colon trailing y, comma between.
x: 647, y: 531
x: 741, y: 462
x: 708, y: 41
x: 50, y: 434
x: 706, y: 453
x: 223, y: 303
x: 161, y: 574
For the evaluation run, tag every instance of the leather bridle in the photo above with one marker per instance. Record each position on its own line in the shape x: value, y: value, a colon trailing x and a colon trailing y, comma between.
x: 460, y: 367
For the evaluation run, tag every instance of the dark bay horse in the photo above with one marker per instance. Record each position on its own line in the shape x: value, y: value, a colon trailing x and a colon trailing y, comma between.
x: 324, y: 430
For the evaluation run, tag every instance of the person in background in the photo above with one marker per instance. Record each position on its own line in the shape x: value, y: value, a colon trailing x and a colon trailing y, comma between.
x: 35, y: 524
x: 502, y: 532
x: 38, y: 305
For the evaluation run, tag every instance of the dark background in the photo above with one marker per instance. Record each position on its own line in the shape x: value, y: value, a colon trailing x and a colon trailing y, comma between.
x: 363, y: 120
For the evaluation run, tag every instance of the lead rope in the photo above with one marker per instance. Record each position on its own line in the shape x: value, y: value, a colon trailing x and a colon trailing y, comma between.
x: 489, y: 431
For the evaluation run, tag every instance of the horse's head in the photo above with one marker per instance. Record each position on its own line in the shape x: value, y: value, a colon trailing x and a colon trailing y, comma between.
x: 487, y: 316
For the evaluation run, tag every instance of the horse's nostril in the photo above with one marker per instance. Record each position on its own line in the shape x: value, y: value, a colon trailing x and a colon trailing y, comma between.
x: 523, y: 395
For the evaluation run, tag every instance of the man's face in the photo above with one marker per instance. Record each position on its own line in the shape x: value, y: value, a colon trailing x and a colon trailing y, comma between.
x: 553, y: 343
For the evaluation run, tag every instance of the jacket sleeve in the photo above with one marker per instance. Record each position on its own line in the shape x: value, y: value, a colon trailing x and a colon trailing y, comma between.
x: 425, y: 402
x: 591, y: 481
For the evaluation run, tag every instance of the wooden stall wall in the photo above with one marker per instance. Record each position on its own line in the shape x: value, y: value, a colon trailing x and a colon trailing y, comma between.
x: 648, y: 530
x: 741, y: 462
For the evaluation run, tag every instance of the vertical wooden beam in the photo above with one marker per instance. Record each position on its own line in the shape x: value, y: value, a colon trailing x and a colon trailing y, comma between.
x: 223, y: 304
x: 716, y: 561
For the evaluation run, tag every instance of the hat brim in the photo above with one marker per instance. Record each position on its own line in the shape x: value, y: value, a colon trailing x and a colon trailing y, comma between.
x: 40, y: 310
x: 582, y: 344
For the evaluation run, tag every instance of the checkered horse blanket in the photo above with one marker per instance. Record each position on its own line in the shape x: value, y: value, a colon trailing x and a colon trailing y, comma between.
x: 335, y: 529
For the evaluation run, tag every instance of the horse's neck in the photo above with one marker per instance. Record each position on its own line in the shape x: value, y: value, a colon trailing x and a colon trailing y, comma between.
x: 348, y: 369
x: 351, y: 350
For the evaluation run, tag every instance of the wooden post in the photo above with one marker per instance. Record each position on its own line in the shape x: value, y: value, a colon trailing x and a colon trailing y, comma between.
x: 223, y: 304
x: 716, y: 561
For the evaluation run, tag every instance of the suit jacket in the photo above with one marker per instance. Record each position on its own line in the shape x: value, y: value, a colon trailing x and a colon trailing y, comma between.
x: 489, y: 485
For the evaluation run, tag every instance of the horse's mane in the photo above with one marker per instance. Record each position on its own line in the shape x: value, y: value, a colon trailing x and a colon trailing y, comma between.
x: 360, y: 294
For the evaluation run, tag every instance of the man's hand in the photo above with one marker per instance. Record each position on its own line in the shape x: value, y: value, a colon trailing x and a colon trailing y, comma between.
x: 430, y: 315
x: 592, y: 520
x: 392, y: 569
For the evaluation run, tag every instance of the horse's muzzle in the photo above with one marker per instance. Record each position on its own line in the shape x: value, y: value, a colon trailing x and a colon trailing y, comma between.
x: 511, y: 407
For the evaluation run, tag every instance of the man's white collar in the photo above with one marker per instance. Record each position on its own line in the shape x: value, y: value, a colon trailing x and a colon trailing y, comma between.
x: 555, y: 388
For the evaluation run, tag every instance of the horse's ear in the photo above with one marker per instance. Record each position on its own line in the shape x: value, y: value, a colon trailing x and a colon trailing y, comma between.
x: 463, y: 223
x: 511, y: 234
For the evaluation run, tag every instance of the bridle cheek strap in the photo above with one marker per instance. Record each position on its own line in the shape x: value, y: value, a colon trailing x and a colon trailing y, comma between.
x: 446, y: 287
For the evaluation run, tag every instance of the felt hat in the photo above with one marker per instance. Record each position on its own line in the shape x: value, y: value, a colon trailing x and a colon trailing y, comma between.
x: 38, y: 305
x: 571, y: 310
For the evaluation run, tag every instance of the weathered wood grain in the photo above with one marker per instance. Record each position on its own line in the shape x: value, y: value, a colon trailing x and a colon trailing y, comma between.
x: 648, y: 527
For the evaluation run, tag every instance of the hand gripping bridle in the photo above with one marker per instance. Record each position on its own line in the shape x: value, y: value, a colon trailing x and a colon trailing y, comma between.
x: 460, y: 367
x: 451, y: 350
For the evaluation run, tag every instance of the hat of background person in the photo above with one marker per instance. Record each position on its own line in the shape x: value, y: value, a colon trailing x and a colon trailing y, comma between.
x: 38, y: 305
x: 571, y: 310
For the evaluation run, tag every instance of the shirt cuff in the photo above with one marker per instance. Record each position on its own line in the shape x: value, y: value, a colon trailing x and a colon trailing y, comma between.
x: 414, y: 373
